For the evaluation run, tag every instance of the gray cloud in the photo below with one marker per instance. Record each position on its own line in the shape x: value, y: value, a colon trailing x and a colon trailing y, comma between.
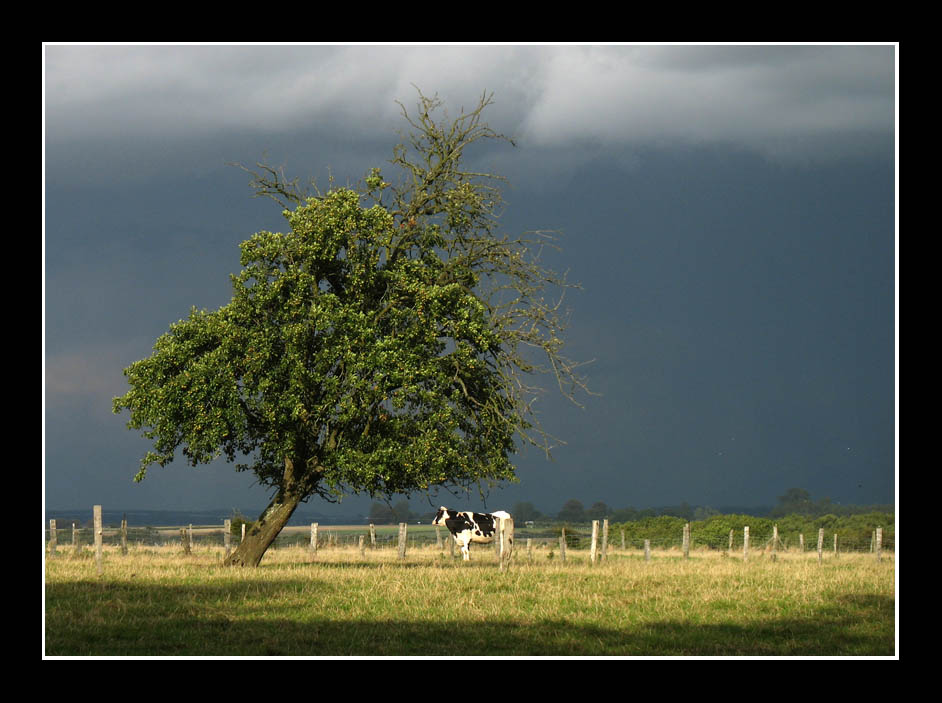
x: 774, y: 100
x: 777, y: 100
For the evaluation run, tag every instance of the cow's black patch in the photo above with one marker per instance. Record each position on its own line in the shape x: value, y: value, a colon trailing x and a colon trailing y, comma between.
x: 458, y: 523
x: 486, y: 523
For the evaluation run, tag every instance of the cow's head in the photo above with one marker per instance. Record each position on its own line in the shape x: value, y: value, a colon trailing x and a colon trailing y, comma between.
x: 441, y: 516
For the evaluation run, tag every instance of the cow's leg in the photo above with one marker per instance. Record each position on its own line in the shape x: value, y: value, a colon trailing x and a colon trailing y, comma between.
x: 466, y: 550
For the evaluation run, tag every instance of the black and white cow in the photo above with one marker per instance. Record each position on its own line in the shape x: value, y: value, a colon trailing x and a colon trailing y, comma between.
x: 467, y: 527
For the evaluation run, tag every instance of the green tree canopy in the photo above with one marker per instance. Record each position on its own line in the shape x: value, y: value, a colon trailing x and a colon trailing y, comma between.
x: 382, y: 345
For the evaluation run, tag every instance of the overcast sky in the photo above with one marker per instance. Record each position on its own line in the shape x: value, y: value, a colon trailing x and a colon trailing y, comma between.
x: 730, y: 211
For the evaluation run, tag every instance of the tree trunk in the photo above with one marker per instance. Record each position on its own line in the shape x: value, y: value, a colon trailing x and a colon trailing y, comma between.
x: 260, y: 537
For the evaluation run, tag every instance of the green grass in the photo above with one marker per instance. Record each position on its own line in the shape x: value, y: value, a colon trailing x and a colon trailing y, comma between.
x: 158, y: 602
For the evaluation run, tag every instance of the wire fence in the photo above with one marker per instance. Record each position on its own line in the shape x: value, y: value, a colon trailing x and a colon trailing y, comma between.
x: 577, y: 537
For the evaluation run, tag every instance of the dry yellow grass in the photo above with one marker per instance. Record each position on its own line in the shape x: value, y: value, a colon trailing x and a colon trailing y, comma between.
x: 156, y: 601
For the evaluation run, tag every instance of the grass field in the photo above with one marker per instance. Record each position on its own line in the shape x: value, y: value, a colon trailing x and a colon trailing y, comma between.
x: 155, y: 601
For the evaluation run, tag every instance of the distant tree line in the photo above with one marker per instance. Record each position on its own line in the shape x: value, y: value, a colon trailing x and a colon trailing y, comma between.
x: 384, y: 513
x: 854, y: 532
x: 794, y: 502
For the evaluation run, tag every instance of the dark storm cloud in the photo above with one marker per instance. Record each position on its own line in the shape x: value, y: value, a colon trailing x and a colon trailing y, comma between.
x: 729, y: 211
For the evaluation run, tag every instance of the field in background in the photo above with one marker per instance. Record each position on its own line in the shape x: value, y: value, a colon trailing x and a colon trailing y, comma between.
x: 155, y: 601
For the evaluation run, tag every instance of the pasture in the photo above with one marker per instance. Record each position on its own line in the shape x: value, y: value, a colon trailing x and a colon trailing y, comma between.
x: 157, y: 601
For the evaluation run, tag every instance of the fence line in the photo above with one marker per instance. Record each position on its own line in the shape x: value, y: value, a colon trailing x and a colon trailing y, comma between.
x: 599, y: 543
x: 215, y: 534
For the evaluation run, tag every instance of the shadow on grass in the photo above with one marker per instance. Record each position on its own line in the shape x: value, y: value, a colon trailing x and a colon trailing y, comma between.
x: 126, y: 619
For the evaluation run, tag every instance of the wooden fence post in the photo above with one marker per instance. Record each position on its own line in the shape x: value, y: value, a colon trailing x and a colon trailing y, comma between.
x: 52, y: 537
x: 502, y: 543
x: 686, y: 540
x: 75, y: 541
x: 647, y: 550
x: 403, y: 532
x: 604, y: 539
x: 362, y: 545
x: 96, y: 518
x: 879, y: 544
x: 243, y: 533
x: 801, y: 543
x: 314, y: 539
x: 562, y: 545
x: 745, y: 543
x: 730, y: 549
x: 774, y: 540
x: 372, y: 536
x: 124, y: 534
x: 529, y: 553
x: 227, y: 536
x: 835, y: 545
x: 595, y: 536
x: 820, y: 544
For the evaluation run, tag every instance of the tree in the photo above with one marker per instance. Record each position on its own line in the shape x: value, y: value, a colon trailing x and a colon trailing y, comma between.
x: 525, y: 511
x: 703, y: 512
x: 382, y: 513
x: 401, y: 511
x: 794, y: 500
x: 572, y: 511
x: 383, y: 345
x: 598, y: 511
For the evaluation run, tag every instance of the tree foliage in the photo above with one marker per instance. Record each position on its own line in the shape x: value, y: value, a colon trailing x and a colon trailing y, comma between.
x: 384, y: 344
x: 572, y: 511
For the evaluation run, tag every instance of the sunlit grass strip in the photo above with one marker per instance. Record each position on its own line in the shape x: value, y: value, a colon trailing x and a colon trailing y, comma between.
x: 155, y: 601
